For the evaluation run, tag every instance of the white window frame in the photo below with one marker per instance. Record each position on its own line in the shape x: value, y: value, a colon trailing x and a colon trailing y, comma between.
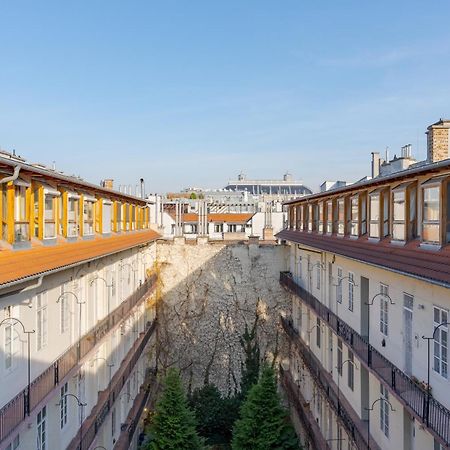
x: 41, y: 429
x: 340, y: 216
x: 440, y: 347
x: 329, y: 216
x: 64, y: 311
x: 432, y: 184
x: 384, y: 309
x: 354, y: 216
x: 374, y: 214
x: 11, y: 345
x: 351, y: 291
x: 63, y: 405
x: 384, y: 410
x: 340, y: 277
x: 340, y: 356
x: 86, y: 221
x: 351, y: 370
x: 41, y: 320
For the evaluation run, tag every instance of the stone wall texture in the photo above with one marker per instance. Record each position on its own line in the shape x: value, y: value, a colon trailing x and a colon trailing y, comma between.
x: 209, y: 292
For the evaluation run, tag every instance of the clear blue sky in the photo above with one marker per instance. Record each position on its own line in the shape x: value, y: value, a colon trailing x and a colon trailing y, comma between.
x: 191, y: 92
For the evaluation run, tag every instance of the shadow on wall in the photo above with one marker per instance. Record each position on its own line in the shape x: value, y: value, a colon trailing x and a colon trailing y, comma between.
x: 209, y: 292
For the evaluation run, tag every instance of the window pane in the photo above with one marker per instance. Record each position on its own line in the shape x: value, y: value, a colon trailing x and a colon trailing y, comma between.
x: 431, y: 203
x: 430, y: 232
x: 399, y: 205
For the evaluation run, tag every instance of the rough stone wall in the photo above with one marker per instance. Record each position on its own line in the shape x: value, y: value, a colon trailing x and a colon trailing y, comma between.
x: 209, y: 292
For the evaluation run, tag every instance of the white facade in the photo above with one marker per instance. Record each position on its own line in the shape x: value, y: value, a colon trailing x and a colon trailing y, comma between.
x: 65, y: 306
x: 396, y: 332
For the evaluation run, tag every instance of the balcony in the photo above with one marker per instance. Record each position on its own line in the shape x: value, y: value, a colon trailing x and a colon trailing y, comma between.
x: 106, y: 398
x: 14, y: 412
x: 295, y: 397
x: 356, y: 427
x: 420, y: 403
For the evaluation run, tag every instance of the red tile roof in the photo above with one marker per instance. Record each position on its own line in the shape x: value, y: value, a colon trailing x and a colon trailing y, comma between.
x: 432, y: 265
x: 18, y: 264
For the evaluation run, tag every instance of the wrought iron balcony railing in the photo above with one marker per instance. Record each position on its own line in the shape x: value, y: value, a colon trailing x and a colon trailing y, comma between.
x: 311, y: 428
x: 425, y: 408
x: 86, y: 435
x: 354, y: 425
x: 15, y: 411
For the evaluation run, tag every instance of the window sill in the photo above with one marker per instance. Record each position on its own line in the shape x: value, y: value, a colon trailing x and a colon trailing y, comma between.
x: 49, y: 241
x: 430, y: 246
x: 22, y: 245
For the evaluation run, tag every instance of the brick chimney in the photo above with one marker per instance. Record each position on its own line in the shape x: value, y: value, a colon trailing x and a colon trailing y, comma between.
x: 108, y: 183
x: 437, y: 141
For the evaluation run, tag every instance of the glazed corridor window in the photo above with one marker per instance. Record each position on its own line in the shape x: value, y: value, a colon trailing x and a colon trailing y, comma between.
x: 350, y: 371
x: 329, y: 217
x: 321, y: 212
x: 4, y: 212
x: 340, y: 216
x: 73, y: 215
x: 21, y: 218
x: 41, y: 320
x: 384, y: 410
x: 440, y: 360
x: 374, y: 227
x: 431, y: 213
x: 106, y: 216
x: 354, y: 216
x: 339, y: 357
x: 384, y: 302
x: 351, y: 291
x: 118, y: 217
x: 88, y: 216
x: 399, y: 216
x: 49, y: 216
x: 363, y: 201
x: 310, y: 217
x: 299, y: 218
x: 318, y: 330
x: 339, y: 286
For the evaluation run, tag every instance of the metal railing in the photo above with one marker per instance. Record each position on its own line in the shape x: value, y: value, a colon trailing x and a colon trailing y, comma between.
x: 436, y: 416
x: 98, y: 414
x: 14, y: 412
x: 322, y: 379
x: 310, y: 426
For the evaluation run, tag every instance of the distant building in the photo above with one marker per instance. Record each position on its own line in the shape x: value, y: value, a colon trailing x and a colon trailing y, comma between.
x: 286, y: 188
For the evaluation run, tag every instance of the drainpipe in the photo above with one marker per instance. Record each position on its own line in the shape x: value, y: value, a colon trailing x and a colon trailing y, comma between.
x: 14, y: 176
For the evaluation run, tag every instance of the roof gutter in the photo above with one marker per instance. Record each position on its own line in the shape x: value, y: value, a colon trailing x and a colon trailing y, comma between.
x: 14, y: 176
x: 65, y: 267
x: 400, y: 272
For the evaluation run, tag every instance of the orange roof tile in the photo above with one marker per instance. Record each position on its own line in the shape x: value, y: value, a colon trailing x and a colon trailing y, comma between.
x: 18, y: 264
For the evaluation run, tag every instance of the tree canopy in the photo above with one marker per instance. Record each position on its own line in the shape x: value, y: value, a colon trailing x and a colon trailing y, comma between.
x: 173, y: 426
x: 264, y: 423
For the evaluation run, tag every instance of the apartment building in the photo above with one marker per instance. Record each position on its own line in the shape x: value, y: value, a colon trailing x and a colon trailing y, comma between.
x: 76, y: 317
x: 368, y: 335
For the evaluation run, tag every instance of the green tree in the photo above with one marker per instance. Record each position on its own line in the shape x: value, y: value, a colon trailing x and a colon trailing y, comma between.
x: 215, y: 414
x: 193, y: 196
x: 173, y: 425
x: 250, y: 368
x: 264, y: 423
